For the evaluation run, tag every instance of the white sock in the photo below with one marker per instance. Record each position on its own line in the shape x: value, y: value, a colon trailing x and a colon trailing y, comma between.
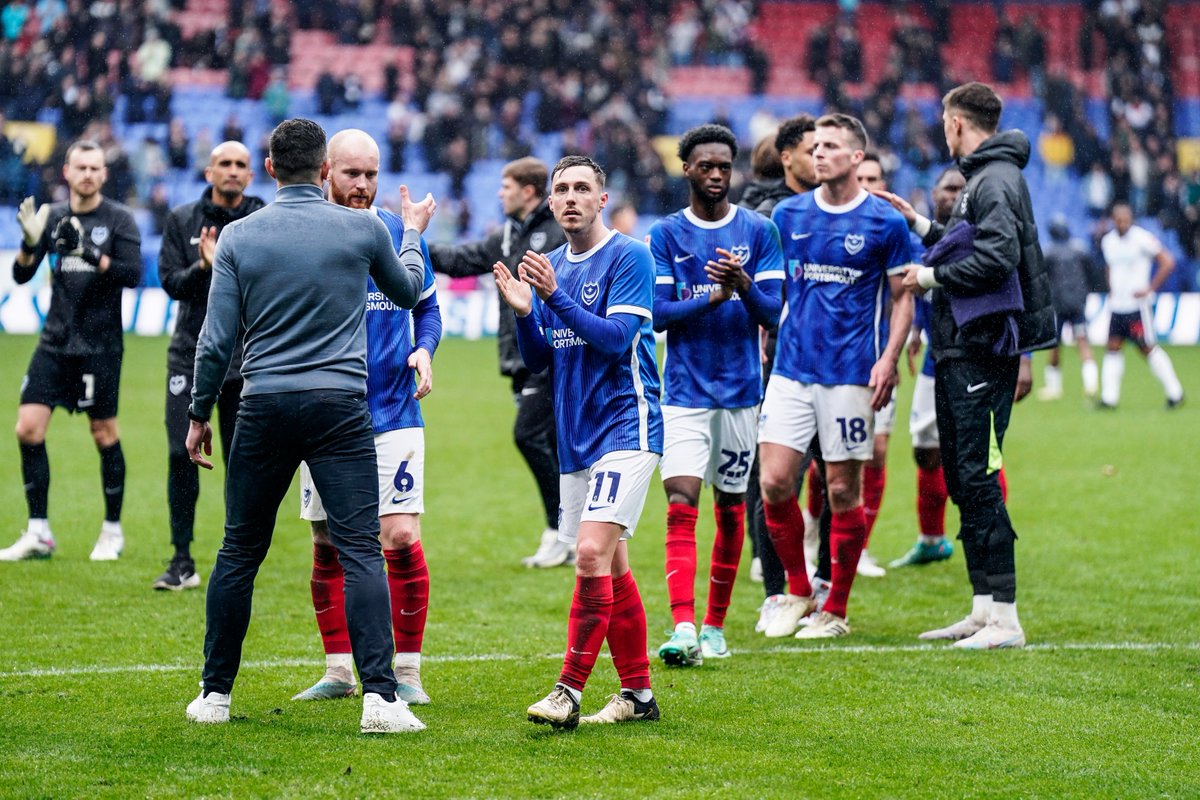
x: 686, y: 626
x: 1005, y: 615
x: 38, y: 527
x: 406, y: 660
x: 1091, y: 377
x: 642, y: 695
x: 111, y: 527
x: 342, y: 664
x: 927, y: 539
x: 981, y: 607
x: 576, y: 695
x: 1053, y: 378
x: 1160, y: 365
x: 1110, y: 378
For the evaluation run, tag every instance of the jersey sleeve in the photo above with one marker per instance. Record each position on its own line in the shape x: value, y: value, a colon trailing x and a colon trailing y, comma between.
x: 768, y: 261
x: 1151, y: 245
x: 632, y: 287
x: 898, y: 250
x: 664, y: 275
x: 427, y: 316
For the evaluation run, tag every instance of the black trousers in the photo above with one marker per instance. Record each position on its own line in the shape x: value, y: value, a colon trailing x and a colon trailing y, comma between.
x: 331, y: 430
x: 183, y: 477
x: 536, y: 438
x: 974, y: 399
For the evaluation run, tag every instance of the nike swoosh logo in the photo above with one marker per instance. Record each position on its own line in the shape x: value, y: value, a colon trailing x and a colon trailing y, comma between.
x: 597, y: 508
x: 396, y: 500
x: 578, y: 653
x: 404, y: 613
x: 798, y: 236
x: 672, y: 572
x: 714, y: 580
x: 194, y: 240
x: 975, y: 388
x: 680, y: 259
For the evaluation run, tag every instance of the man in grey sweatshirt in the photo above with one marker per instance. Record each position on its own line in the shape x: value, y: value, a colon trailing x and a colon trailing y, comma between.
x: 295, y: 276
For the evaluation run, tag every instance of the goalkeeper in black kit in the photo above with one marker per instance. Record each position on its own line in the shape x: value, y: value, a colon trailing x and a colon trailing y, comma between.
x: 94, y: 251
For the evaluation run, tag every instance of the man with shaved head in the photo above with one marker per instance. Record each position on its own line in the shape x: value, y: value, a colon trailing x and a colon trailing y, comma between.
x: 185, y: 269
x: 400, y: 348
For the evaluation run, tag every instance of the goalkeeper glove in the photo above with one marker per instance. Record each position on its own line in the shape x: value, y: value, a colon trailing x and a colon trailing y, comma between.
x: 69, y: 241
x: 33, y: 222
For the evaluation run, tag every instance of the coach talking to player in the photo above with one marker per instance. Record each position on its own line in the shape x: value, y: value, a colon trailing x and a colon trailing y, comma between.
x: 991, y: 302
x: 185, y: 269
x: 295, y: 275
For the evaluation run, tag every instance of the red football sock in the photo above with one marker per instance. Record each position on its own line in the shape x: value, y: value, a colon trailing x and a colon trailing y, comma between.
x: 847, y: 535
x: 1003, y: 485
x: 726, y: 553
x: 627, y: 634
x: 329, y: 599
x: 931, y: 501
x: 874, y: 479
x: 591, y: 609
x: 408, y: 585
x: 816, y: 491
x: 681, y: 561
x: 785, y: 524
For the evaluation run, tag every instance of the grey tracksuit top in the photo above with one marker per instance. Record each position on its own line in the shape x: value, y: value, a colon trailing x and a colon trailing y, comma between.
x: 295, y: 276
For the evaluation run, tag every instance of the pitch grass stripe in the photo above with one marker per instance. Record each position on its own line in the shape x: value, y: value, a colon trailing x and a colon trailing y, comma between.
x: 1128, y: 647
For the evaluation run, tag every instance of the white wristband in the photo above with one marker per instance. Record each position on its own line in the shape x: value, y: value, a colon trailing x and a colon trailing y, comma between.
x: 921, y: 226
x: 926, y: 278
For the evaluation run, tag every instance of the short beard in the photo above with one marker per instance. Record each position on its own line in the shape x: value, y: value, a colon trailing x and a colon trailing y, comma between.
x: 230, y: 198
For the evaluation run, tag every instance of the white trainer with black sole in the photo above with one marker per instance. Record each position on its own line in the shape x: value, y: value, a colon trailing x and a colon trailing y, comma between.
x: 29, y: 545
x: 558, y: 709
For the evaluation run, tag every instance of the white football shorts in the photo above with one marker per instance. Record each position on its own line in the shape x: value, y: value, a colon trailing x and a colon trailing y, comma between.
x: 922, y: 422
x: 400, y: 456
x: 793, y: 412
x: 716, y: 445
x: 885, y: 418
x: 611, y: 490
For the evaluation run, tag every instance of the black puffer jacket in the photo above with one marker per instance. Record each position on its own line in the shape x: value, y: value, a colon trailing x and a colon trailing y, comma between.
x: 539, y: 232
x: 184, y: 277
x: 996, y: 201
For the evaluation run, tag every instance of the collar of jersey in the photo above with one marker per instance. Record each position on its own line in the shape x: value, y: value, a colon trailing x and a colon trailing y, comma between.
x: 575, y: 258
x: 858, y: 200
x: 703, y: 223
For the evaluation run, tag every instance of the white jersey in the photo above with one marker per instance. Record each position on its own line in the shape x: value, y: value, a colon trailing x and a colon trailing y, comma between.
x: 1130, y: 260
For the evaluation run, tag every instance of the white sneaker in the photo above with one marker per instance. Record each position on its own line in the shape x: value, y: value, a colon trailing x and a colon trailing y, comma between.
x: 380, y: 716
x: 788, y: 617
x: 549, y: 538
x: 109, y: 545
x: 868, y: 567
x: 29, y: 545
x: 824, y: 626
x: 965, y: 627
x: 1047, y: 393
x: 559, y: 554
x: 756, y: 570
x: 210, y: 709
x: 993, y: 636
x: 768, y: 611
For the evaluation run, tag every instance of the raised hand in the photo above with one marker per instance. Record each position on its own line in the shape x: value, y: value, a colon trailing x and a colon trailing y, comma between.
x: 536, y: 270
x: 416, y: 215
x: 208, y: 246
x: 517, y: 294
x: 33, y: 221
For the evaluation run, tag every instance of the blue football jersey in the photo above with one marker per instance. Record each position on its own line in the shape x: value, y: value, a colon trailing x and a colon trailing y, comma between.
x: 390, y: 341
x: 838, y: 262
x: 603, y: 403
x: 712, y: 358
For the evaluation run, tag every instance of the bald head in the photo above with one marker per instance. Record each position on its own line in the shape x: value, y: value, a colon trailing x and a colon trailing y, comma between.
x: 353, y: 169
x: 229, y: 173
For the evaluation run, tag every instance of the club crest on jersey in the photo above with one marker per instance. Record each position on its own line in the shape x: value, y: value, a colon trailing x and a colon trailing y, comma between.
x: 854, y: 243
x: 177, y: 384
x: 537, y: 240
x: 307, y: 497
x: 742, y: 253
x: 99, y: 235
x: 683, y: 291
x: 590, y: 293
x: 794, y: 270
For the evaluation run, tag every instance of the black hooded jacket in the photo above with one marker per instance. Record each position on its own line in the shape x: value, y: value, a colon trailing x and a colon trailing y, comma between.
x: 184, y: 278
x: 539, y: 232
x: 996, y: 201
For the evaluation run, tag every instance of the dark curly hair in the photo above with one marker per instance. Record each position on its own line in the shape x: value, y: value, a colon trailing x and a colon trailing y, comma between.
x: 706, y: 134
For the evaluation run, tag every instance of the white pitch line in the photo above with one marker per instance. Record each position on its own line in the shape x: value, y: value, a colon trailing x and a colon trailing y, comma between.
x: 1129, y: 647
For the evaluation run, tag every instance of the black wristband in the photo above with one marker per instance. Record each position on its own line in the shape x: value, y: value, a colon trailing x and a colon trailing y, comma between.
x: 26, y: 249
x: 194, y: 417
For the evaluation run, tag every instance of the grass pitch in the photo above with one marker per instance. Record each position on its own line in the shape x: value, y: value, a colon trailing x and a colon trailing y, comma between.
x: 95, y: 668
